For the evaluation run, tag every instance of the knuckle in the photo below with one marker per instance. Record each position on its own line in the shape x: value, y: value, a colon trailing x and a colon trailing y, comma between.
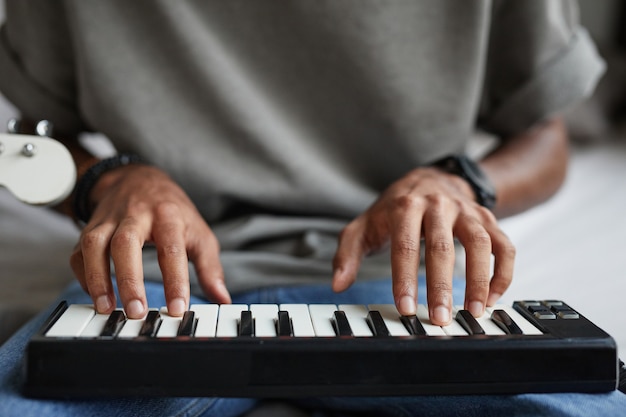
x: 129, y: 285
x: 346, y: 232
x: 408, y: 202
x: 212, y: 240
x: 404, y: 286
x: 508, y: 250
x: 501, y: 283
x: 480, y: 283
x: 96, y: 280
x: 167, y: 210
x: 406, y: 246
x: 436, y: 200
x: 125, y: 238
x: 440, y: 287
x: 176, y: 288
x: 93, y: 239
x: 171, y: 250
x: 440, y: 246
x: 480, y: 239
x: 487, y: 215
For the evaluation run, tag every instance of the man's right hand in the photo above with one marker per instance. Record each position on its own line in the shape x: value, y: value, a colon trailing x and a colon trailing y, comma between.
x: 135, y: 205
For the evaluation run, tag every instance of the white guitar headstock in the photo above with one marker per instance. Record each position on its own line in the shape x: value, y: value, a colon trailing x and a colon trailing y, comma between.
x: 38, y: 170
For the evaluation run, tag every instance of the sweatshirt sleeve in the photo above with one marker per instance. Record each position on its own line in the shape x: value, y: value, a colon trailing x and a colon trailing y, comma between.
x: 37, y: 72
x: 540, y: 62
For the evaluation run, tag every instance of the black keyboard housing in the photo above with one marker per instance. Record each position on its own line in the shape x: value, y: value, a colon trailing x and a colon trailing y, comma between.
x: 571, y: 356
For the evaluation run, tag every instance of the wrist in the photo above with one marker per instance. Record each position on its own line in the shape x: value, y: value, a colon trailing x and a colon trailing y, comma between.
x: 96, y: 178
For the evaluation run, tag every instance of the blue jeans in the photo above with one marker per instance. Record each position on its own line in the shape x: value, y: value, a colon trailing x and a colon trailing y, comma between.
x: 12, y: 403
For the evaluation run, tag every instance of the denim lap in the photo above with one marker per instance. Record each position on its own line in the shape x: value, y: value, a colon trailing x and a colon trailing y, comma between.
x: 374, y: 292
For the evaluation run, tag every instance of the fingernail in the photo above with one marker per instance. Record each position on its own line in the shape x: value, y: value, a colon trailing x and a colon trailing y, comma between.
x: 134, y: 309
x: 441, y: 314
x: 406, y: 305
x: 476, y: 308
x: 176, y: 307
x: 103, y: 304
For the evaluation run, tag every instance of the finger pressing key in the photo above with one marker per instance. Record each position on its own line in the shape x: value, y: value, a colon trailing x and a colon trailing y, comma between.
x: 95, y: 271
x: 477, y: 244
x: 405, y: 229
x: 172, y: 254
x: 440, y: 254
x: 126, y: 248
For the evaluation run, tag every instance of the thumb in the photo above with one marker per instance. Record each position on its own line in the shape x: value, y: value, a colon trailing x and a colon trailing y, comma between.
x: 354, y: 243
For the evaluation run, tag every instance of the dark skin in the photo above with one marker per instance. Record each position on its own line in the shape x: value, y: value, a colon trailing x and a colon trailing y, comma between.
x: 436, y: 206
x: 139, y: 204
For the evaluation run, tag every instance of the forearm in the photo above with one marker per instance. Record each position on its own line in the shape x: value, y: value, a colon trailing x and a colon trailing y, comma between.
x: 529, y: 168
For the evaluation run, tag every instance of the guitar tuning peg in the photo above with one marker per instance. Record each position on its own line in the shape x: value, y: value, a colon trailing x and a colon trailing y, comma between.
x: 44, y: 128
x: 29, y: 149
x: 13, y: 126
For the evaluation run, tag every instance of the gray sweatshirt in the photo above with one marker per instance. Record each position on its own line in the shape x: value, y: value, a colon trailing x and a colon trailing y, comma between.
x: 283, y: 120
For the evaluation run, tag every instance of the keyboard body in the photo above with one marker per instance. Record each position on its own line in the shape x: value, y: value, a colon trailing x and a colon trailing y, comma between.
x: 565, y: 355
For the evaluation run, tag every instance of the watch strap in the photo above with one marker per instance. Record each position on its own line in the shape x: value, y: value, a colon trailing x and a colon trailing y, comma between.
x: 470, y: 171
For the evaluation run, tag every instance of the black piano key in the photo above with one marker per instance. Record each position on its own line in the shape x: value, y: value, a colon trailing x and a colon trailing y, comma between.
x: 468, y: 322
x: 505, y: 322
x: 151, y: 324
x: 114, y: 324
x: 341, y: 325
x: 246, y: 324
x: 377, y: 324
x: 187, y: 324
x: 283, y: 324
x: 413, y: 325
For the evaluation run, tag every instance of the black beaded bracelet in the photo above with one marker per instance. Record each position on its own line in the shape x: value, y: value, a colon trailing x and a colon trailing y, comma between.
x: 81, y: 206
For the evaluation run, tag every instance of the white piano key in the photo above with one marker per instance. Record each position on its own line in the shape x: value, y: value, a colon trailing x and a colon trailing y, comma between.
x: 73, y: 321
x: 300, y: 319
x: 95, y: 326
x: 391, y: 317
x: 321, y: 316
x: 264, y: 316
x: 131, y: 327
x: 454, y: 328
x: 527, y: 327
x: 357, y: 315
x: 206, y: 315
x: 486, y: 323
x: 431, y: 329
x: 228, y: 318
x: 169, y: 324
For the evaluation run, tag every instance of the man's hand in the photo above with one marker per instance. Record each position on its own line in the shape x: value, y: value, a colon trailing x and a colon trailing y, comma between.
x: 436, y: 206
x: 135, y: 205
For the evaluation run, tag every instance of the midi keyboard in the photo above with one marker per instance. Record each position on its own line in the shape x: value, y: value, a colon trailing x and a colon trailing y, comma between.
x: 299, y: 350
